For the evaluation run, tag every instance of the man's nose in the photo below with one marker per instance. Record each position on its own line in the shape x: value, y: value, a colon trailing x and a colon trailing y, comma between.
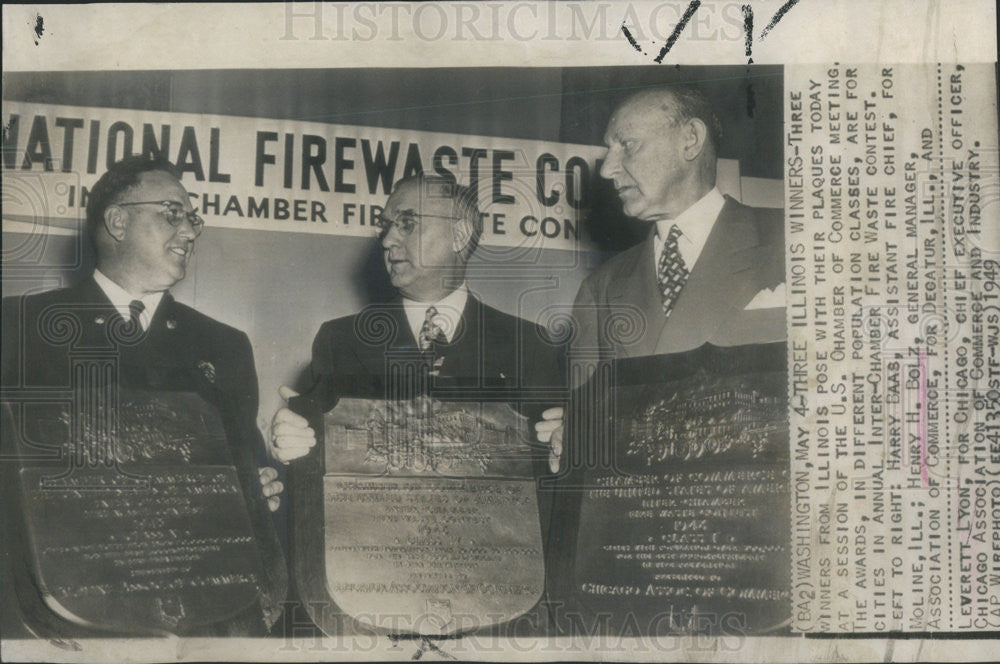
x: 390, y: 237
x: 611, y: 164
x: 187, y: 230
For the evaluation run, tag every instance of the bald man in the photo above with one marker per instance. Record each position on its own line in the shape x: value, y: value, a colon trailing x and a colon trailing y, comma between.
x: 711, y: 270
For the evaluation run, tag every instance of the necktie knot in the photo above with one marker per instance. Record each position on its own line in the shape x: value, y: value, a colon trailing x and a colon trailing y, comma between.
x: 671, y: 272
x: 674, y: 234
x: 135, y: 309
x: 430, y: 331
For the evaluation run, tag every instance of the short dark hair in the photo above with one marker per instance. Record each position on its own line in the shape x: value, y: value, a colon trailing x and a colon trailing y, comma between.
x: 119, y: 178
x: 465, y: 199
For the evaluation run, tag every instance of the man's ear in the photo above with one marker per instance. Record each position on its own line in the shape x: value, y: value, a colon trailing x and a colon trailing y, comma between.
x: 116, y: 222
x: 461, y: 234
x: 694, y: 137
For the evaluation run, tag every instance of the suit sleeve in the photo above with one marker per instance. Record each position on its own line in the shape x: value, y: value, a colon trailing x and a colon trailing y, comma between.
x: 321, y: 395
x: 544, y: 362
x: 322, y: 353
x: 587, y: 320
x: 13, y: 557
x: 248, y: 396
x: 10, y: 349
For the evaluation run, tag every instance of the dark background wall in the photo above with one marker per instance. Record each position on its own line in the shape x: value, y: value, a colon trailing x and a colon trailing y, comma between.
x: 570, y: 105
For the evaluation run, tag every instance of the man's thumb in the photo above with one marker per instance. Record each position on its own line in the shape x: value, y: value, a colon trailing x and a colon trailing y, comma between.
x: 287, y: 392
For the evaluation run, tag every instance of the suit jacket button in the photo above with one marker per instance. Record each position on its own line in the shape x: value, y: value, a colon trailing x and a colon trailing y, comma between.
x: 171, y: 324
x: 99, y: 320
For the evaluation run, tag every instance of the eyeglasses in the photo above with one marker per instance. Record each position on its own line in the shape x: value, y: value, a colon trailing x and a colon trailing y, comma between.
x: 406, y: 222
x: 174, y: 213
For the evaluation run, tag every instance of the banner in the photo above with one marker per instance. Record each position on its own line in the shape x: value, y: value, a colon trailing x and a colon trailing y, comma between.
x: 282, y: 175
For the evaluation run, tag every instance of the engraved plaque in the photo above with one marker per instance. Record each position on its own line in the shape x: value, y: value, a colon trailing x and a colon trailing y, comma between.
x: 430, y: 518
x: 682, y: 503
x: 135, y: 517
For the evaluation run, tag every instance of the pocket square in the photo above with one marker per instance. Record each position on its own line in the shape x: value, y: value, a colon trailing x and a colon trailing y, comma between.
x: 768, y: 298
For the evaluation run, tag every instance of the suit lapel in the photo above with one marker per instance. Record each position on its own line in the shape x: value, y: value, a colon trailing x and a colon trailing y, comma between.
x: 165, y: 351
x: 639, y: 287
x: 91, y: 293
x: 165, y: 316
x: 170, y: 335
x: 96, y: 314
x: 372, y: 357
x: 178, y: 353
x: 720, y: 281
x: 462, y: 354
x: 99, y: 312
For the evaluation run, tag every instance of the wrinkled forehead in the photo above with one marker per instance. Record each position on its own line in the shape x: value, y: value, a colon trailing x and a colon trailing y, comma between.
x: 639, y: 116
x: 422, y: 198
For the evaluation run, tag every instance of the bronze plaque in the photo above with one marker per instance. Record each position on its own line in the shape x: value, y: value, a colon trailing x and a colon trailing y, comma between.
x: 430, y: 516
x: 142, y: 526
x: 682, y: 505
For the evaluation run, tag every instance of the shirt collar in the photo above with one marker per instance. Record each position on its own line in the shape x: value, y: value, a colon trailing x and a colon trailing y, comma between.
x: 695, y: 224
x: 449, y: 312
x: 120, y: 299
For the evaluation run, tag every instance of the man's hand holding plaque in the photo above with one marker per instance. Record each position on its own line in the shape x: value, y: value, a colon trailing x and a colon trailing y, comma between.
x: 291, y: 435
x: 550, y: 429
x: 148, y: 515
x: 271, y: 487
x: 419, y: 514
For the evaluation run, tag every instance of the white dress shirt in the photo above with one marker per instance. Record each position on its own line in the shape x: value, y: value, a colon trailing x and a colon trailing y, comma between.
x: 695, y: 224
x: 449, y: 312
x: 121, y: 298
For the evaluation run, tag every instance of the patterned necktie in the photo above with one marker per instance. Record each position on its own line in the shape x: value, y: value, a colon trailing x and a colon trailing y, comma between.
x: 430, y: 332
x: 135, y: 309
x: 671, y: 273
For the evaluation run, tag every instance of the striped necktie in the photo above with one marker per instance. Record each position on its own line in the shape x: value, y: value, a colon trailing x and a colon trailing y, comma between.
x: 135, y: 309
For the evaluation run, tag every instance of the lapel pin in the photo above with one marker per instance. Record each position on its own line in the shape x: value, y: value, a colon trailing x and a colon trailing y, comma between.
x: 208, y: 369
x: 171, y: 324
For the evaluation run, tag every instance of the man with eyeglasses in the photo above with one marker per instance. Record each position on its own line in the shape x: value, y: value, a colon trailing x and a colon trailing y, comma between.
x: 430, y: 228
x: 143, y: 228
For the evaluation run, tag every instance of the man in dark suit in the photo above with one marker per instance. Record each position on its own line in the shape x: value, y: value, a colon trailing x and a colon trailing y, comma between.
x: 435, y: 339
x: 144, y: 228
x: 711, y: 270
x: 430, y: 228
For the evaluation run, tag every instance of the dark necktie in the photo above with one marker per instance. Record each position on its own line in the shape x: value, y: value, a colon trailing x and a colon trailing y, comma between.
x: 430, y: 332
x: 671, y: 273
x: 135, y: 309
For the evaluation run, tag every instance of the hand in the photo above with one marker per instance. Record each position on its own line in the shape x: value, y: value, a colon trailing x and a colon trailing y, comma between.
x: 271, y: 487
x: 550, y: 430
x: 291, y: 435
